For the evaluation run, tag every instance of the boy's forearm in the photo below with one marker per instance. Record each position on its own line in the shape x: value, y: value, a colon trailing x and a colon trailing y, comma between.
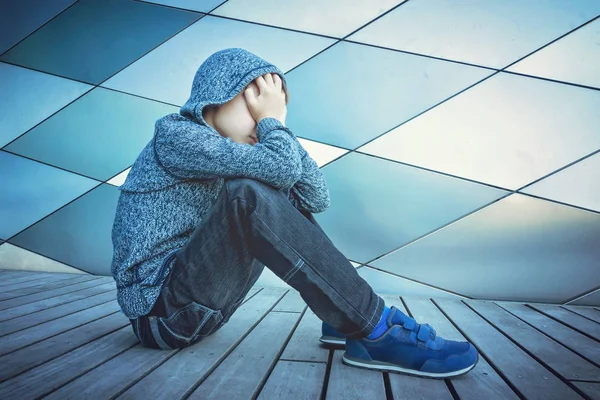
x: 310, y: 192
x: 186, y: 150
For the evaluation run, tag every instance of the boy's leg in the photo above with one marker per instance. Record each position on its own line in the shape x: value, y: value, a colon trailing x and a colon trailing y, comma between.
x: 179, y: 319
x: 250, y: 220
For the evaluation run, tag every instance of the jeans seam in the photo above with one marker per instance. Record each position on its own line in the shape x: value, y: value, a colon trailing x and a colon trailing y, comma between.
x: 156, y: 334
x: 196, y: 331
x: 255, y: 213
x: 369, y: 322
x: 315, y: 271
x: 293, y: 271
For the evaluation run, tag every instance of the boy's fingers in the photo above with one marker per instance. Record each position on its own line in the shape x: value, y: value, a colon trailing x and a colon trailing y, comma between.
x: 260, y: 82
x: 277, y: 81
x: 250, y: 95
x: 269, y: 79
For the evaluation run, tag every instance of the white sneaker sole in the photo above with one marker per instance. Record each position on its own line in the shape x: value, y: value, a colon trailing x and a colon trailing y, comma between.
x: 332, y: 340
x: 380, y: 366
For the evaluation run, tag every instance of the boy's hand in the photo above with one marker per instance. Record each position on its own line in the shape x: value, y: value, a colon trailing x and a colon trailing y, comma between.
x: 266, y: 99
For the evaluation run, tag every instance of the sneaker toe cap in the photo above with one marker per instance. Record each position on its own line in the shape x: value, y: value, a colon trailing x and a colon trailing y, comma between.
x: 455, y: 362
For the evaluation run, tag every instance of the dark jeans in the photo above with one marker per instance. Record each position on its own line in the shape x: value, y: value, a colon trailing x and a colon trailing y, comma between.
x: 252, y: 225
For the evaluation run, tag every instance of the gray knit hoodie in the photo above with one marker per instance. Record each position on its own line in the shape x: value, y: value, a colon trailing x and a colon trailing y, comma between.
x: 180, y: 172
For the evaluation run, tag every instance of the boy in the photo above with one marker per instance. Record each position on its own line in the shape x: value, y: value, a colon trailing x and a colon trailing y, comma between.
x: 224, y: 189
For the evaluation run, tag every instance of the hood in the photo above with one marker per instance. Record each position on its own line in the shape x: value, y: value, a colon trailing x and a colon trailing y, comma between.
x: 221, y: 77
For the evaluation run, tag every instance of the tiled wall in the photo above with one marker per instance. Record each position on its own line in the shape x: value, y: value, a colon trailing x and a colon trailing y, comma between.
x: 460, y: 139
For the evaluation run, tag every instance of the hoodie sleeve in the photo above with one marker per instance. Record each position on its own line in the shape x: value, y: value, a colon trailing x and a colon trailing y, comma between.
x: 310, y: 193
x: 186, y: 152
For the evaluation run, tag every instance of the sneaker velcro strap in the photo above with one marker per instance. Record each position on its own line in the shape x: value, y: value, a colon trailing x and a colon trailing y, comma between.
x: 409, y: 323
x: 425, y: 331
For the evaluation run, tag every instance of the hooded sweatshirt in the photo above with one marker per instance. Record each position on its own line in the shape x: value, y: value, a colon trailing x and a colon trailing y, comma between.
x: 180, y: 172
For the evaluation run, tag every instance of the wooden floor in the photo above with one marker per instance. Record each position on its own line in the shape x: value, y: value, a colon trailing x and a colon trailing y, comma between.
x: 62, y: 336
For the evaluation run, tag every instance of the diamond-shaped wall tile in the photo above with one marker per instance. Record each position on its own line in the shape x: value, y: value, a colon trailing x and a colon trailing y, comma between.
x: 23, y: 87
x: 335, y: 18
x: 321, y: 153
x: 492, y: 33
x: 98, y: 135
x: 386, y: 283
x: 177, y: 61
x: 578, y: 184
x: 31, y: 190
x: 518, y: 248
x: 378, y: 205
x: 17, y: 20
x: 574, y: 58
x: 94, y: 39
x: 78, y: 234
x: 423, y: 213
x: 591, y: 299
x: 119, y: 179
x: 506, y: 131
x: 16, y: 258
x: 351, y: 93
x: 202, y: 6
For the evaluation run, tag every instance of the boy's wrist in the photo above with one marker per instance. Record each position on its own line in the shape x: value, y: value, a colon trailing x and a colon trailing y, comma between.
x: 266, y: 125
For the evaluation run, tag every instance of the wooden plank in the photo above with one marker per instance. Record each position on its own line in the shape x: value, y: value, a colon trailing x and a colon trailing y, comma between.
x: 45, y: 274
x: 294, y: 380
x: 528, y: 376
x: 121, y: 369
x: 26, y: 321
x: 192, y: 364
x: 554, y: 355
x: 31, y: 356
x: 346, y: 382
x: 412, y: 387
x: 48, y: 377
x: 18, y: 301
x: 11, y: 271
x: 30, y: 282
x: 570, y: 338
x: 116, y: 375
x: 481, y: 382
x: 242, y: 373
x: 50, y: 278
x: 291, y: 302
x: 131, y: 363
x: 304, y: 344
x: 12, y: 292
x: 405, y: 386
x: 44, y: 304
x: 590, y: 389
x: 14, y: 273
x: 27, y: 337
x: 251, y: 293
x: 588, y: 312
x: 569, y: 318
x: 392, y: 300
x: 6, y: 282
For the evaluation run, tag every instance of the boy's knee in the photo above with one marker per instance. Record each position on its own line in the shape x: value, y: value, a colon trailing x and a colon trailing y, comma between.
x: 238, y: 186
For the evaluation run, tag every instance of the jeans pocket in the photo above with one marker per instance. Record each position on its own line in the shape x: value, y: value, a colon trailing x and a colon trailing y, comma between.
x: 192, y: 322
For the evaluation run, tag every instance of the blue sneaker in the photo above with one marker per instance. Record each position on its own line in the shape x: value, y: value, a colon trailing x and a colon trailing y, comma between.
x: 330, y: 336
x: 411, y: 348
